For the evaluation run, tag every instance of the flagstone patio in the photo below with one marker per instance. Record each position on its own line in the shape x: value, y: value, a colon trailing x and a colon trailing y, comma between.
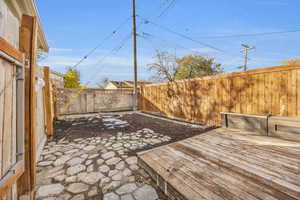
x: 98, y: 167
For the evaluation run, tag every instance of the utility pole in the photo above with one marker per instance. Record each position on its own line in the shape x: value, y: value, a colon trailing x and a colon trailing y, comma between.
x: 246, y: 50
x: 134, y: 55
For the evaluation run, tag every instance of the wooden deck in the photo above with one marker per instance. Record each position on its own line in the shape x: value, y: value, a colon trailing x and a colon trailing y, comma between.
x: 226, y: 164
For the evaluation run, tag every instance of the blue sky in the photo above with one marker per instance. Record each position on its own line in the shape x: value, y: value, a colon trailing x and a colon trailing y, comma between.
x: 75, y: 27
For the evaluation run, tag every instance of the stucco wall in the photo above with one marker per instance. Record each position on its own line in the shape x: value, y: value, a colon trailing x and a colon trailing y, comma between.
x: 79, y: 101
x: 40, y: 122
x: 9, y: 25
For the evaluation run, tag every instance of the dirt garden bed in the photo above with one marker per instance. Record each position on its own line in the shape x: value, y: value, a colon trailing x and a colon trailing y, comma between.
x: 84, y: 127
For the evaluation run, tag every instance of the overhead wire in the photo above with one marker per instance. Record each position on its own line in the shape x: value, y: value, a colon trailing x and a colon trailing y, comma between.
x: 249, y: 35
x: 171, y: 4
x: 102, y: 42
x: 115, y: 49
x: 146, y: 21
x: 175, y: 45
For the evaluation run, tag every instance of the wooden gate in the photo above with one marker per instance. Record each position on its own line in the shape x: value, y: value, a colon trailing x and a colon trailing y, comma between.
x: 11, y: 116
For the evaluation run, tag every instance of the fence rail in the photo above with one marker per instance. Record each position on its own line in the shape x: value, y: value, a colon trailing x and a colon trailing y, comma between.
x: 274, y: 90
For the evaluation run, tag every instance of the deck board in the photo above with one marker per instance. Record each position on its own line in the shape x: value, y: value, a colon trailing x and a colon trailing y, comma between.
x: 226, y: 164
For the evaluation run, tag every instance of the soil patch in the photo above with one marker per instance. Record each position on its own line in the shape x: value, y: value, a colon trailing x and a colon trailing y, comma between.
x: 94, y: 127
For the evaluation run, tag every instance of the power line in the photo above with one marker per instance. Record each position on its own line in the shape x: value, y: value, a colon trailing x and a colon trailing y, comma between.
x: 249, y: 35
x: 101, y: 44
x: 167, y: 42
x: 119, y: 46
x: 187, y: 37
x: 172, y: 4
x: 181, y: 35
x: 115, y: 49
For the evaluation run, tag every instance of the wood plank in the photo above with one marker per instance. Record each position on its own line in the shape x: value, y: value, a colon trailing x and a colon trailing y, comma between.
x: 14, y: 118
x: 7, y: 125
x: 230, y: 184
x: 275, y: 94
x: 283, y: 98
x: 255, y: 95
x: 47, y: 102
x: 28, y: 45
x: 261, y: 89
x: 254, y: 156
x: 2, y: 87
x: 286, y: 128
x: 292, y: 93
x: 249, y: 95
x: 252, y: 123
x: 178, y: 182
x: 241, y: 166
x: 10, y: 50
x: 268, y: 94
x: 227, y: 165
x: 33, y: 95
x: 6, y: 188
x: 298, y: 93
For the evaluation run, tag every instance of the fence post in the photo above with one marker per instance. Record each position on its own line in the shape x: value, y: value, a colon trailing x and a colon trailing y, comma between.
x: 48, y: 105
x: 28, y: 45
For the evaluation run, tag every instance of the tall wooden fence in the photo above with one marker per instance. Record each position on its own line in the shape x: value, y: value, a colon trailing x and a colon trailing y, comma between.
x: 24, y: 121
x: 274, y: 90
x: 11, y: 132
x: 81, y: 101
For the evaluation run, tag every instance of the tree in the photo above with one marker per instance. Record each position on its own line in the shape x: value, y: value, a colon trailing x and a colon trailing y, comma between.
x: 193, y: 66
x: 291, y: 62
x: 165, y: 67
x: 169, y: 68
x: 72, y: 78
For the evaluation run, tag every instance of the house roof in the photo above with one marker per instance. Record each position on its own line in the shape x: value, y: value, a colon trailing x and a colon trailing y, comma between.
x: 28, y: 7
x: 128, y: 84
x: 57, y: 73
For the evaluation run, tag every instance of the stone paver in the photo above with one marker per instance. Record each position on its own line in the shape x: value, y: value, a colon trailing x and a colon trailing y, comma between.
x: 91, y: 167
x: 146, y: 193
x: 77, y: 188
x: 49, y: 190
x: 75, y: 169
x: 128, y: 188
x: 111, y: 196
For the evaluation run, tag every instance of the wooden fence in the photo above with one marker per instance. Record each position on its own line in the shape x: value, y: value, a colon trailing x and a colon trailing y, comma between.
x: 10, y: 132
x: 25, y: 122
x: 80, y: 101
x: 274, y: 90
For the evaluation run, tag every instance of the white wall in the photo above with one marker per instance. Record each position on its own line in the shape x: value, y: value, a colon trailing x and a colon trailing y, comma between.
x: 9, y: 25
x: 40, y: 122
